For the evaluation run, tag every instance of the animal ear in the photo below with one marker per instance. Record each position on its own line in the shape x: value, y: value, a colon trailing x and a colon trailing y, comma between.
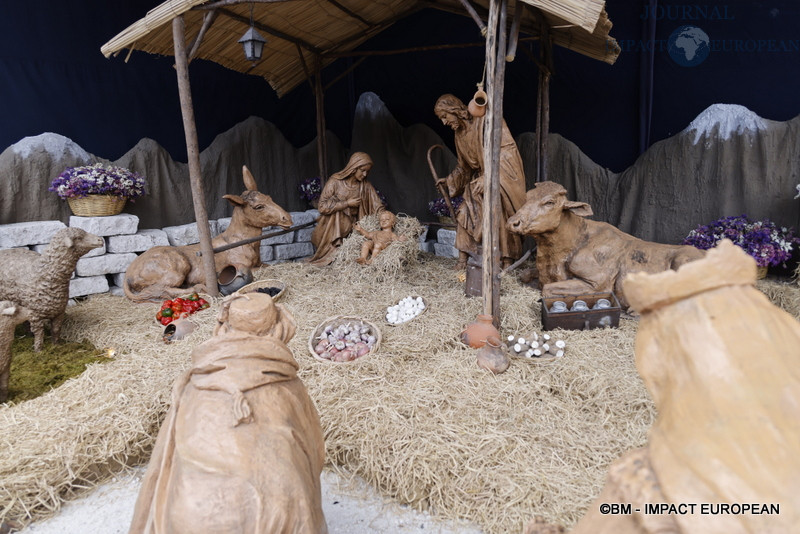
x: 249, y: 181
x: 68, y: 242
x: 579, y: 208
x: 236, y: 200
x: 9, y: 311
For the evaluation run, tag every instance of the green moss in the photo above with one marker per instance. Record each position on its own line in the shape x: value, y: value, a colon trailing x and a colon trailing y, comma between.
x: 35, y: 373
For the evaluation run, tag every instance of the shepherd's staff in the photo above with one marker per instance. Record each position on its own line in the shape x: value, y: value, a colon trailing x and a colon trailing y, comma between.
x: 440, y: 186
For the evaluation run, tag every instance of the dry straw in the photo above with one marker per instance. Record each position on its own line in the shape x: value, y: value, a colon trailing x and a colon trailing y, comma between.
x: 418, y: 420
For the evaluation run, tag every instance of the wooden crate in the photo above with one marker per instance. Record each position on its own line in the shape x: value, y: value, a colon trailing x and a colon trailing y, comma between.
x: 581, y: 320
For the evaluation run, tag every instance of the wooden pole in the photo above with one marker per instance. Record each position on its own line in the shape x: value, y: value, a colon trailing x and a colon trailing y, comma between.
x: 208, y: 20
x: 322, y: 145
x: 475, y: 17
x: 493, y: 131
x: 544, y: 125
x: 538, y: 139
x: 193, y: 154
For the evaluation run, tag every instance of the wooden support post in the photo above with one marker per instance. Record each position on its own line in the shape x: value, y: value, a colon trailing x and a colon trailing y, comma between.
x: 545, y: 65
x: 544, y: 89
x: 322, y: 144
x: 208, y: 20
x: 492, y: 135
x: 193, y: 154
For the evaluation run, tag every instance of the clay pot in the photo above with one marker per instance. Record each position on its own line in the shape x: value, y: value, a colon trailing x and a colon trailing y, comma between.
x: 477, y: 332
x: 177, y: 330
x: 477, y: 106
x: 492, y: 357
x: 230, y: 279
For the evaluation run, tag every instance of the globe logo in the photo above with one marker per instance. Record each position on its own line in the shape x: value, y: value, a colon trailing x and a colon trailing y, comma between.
x: 688, y: 46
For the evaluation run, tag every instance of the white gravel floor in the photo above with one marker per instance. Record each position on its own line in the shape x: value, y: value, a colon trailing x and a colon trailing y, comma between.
x: 349, y: 509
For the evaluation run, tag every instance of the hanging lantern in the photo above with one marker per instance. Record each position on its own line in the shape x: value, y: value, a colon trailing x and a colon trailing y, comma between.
x: 253, y: 44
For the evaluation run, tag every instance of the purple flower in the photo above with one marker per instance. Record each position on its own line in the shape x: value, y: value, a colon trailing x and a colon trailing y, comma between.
x: 438, y: 207
x: 310, y: 189
x: 767, y: 243
x: 98, y: 179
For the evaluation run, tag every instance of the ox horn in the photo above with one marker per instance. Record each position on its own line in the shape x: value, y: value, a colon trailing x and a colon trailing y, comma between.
x: 249, y: 181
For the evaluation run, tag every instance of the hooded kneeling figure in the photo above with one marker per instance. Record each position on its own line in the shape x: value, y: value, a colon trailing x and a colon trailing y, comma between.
x: 241, y: 448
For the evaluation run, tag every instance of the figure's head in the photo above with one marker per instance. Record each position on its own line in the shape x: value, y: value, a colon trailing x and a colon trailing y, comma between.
x: 258, y: 210
x: 255, y: 313
x: 544, y: 207
x: 451, y: 111
x: 387, y: 220
x: 362, y: 172
x: 358, y: 167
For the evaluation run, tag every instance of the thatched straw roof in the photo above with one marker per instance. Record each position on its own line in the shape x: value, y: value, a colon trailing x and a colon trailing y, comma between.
x: 299, y: 30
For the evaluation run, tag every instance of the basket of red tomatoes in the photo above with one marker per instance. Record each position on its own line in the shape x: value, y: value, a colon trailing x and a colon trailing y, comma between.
x: 172, y: 310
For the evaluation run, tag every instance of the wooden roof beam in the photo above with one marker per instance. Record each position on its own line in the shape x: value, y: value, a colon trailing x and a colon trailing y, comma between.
x: 208, y: 20
x: 357, y: 53
x: 272, y: 31
x: 474, y: 15
x: 223, y: 3
x: 373, y: 30
x: 350, y: 12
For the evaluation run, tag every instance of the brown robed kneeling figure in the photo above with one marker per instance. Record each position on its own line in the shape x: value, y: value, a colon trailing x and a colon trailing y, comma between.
x: 346, y: 198
x: 241, y: 448
x: 467, y: 180
x: 722, y: 364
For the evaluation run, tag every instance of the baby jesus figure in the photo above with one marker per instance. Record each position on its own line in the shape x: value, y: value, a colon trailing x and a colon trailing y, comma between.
x: 379, y: 239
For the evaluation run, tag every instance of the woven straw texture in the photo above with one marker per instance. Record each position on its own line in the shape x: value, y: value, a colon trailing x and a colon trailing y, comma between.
x: 96, y: 205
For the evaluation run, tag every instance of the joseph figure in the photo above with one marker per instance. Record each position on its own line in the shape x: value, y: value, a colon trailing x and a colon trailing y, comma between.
x: 467, y: 177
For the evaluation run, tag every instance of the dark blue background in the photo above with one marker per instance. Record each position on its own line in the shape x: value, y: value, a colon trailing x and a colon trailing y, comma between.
x: 53, y: 78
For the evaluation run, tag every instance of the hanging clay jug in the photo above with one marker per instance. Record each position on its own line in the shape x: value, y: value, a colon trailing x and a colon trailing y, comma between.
x: 492, y: 357
x: 477, y: 106
x: 477, y: 332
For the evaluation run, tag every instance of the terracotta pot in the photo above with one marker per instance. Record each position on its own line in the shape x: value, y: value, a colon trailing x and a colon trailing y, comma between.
x: 177, y: 330
x: 230, y: 279
x: 492, y: 357
x: 477, y: 332
x: 477, y: 106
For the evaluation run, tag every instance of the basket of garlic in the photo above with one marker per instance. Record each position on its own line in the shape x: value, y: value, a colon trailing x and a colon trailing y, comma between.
x: 405, y: 310
x: 344, y: 339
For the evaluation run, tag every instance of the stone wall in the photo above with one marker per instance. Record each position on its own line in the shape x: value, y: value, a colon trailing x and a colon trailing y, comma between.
x: 102, y: 270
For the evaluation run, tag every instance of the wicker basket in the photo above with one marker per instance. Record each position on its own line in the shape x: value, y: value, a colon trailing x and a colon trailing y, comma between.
x: 96, y: 205
x: 761, y: 272
x: 408, y: 321
x: 336, y: 321
x: 267, y: 282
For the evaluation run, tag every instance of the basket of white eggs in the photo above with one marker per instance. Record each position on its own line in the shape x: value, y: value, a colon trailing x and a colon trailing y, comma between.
x: 536, y: 347
x: 344, y: 339
x: 408, y: 308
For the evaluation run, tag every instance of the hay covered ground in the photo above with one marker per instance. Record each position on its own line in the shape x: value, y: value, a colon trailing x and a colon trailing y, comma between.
x: 418, y: 420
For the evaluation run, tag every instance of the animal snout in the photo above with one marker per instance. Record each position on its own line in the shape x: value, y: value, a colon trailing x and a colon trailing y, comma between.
x: 514, y: 224
x: 286, y: 221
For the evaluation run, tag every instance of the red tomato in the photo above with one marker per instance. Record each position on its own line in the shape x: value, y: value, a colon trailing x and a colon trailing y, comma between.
x: 165, y: 320
x: 159, y: 315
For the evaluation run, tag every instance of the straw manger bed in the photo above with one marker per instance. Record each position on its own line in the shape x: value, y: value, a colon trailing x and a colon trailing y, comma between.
x: 418, y: 419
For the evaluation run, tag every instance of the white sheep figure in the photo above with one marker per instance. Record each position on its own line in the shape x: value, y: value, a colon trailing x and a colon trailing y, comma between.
x: 10, y: 316
x: 40, y: 282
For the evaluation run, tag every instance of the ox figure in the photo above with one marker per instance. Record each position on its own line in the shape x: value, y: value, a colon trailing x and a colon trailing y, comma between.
x: 576, y: 256
x: 167, y: 272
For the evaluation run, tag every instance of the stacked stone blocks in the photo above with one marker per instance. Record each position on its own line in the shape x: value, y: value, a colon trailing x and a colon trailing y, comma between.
x: 103, y: 270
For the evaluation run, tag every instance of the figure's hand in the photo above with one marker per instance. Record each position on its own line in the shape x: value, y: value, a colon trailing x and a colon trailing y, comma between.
x: 353, y: 202
x: 443, y: 182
